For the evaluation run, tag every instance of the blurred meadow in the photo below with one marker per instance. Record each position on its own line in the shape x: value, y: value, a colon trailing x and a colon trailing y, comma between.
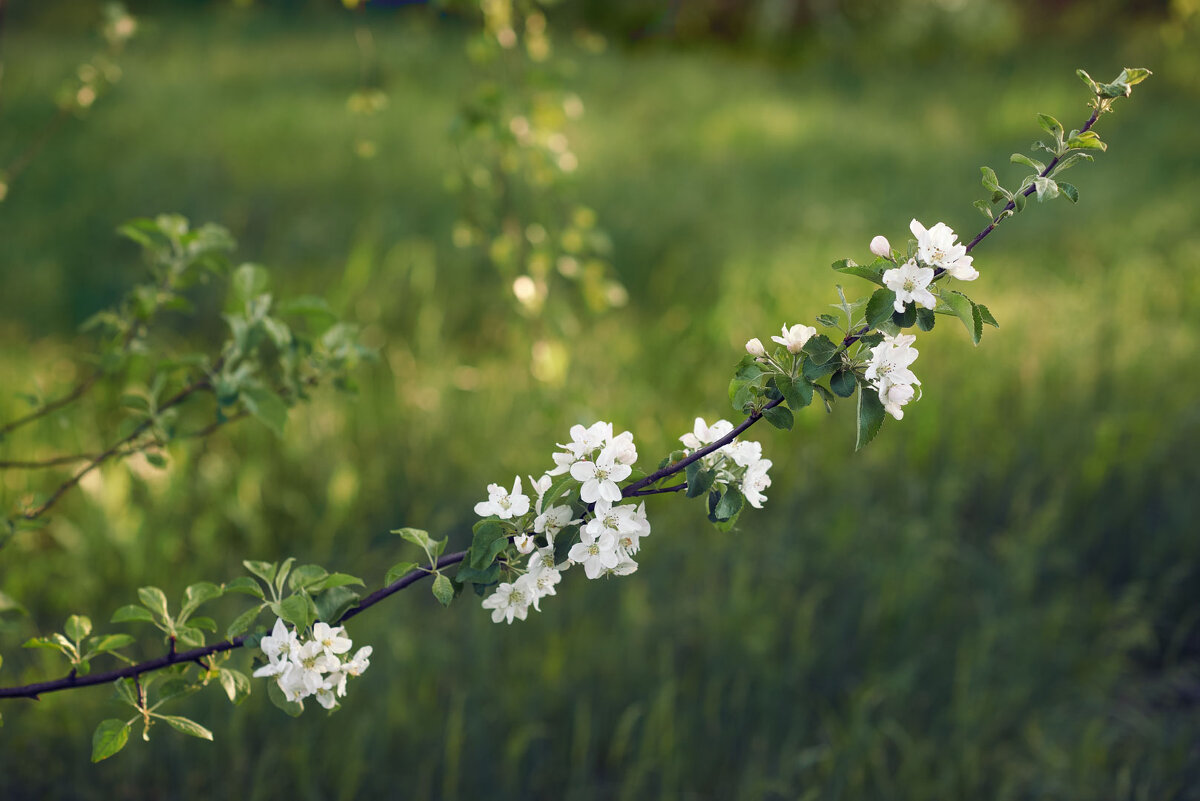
x: 999, y: 598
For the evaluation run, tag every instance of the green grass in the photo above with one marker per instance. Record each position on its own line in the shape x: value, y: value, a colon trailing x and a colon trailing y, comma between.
x: 998, y: 599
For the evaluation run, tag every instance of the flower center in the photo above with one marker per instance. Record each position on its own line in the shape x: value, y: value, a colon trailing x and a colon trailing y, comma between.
x: 938, y: 254
x: 601, y: 474
x: 594, y: 549
x: 908, y: 285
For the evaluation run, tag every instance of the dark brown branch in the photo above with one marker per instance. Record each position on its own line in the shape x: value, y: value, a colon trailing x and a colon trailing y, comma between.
x: 1029, y: 190
x: 656, y: 491
x: 114, y: 450
x: 173, y: 657
x: 53, y: 405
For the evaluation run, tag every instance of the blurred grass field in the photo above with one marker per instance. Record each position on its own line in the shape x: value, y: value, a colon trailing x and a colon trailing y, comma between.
x: 1000, y: 598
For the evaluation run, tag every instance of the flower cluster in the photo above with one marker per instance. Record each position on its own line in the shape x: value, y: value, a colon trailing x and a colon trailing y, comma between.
x: 739, y: 464
x: 609, y: 533
x: 319, y: 666
x: 938, y: 250
x: 889, y: 374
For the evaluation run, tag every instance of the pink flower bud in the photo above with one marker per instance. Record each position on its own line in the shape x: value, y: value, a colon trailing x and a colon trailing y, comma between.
x: 755, y: 348
x: 881, y: 247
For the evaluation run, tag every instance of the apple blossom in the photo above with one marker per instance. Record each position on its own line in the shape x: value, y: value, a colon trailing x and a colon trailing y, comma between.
x: 939, y: 247
x: 503, y: 504
x: 794, y: 338
x: 755, y: 348
x: 910, y: 283
x: 881, y: 247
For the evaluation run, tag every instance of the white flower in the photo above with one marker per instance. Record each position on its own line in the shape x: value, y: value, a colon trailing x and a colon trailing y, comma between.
x: 755, y: 347
x: 910, y: 283
x: 539, y: 584
x: 622, y: 448
x: 703, y: 434
x: 507, y: 602
x: 503, y: 504
x: 881, y: 247
x: 939, y: 247
x: 597, y: 553
x: 744, y: 453
x: 794, y: 338
x: 541, y: 487
x: 890, y: 360
x: 755, y: 481
x: 600, y: 479
x: 333, y: 641
x: 360, y: 662
x: 291, y: 681
x: 626, y: 524
x: 624, y: 567
x: 325, y: 696
x: 524, y: 543
x: 893, y: 396
x: 552, y: 521
x: 278, y: 646
x: 584, y: 442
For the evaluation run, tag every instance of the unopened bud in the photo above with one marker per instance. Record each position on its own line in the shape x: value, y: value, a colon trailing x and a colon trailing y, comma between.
x: 881, y: 247
x: 755, y: 348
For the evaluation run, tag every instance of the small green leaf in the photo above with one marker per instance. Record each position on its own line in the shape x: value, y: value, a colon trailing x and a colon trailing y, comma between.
x: 111, y: 642
x: 926, y: 319
x: 156, y: 459
x: 47, y: 642
x: 880, y: 307
x: 336, y: 580
x: 1087, y: 80
x: 275, y: 693
x: 870, y: 418
x: 1046, y: 189
x: 780, y: 417
x: 109, y: 738
x: 77, y: 627
x: 1088, y: 140
x: 1069, y: 191
x: 820, y: 349
x: 243, y: 622
x: 443, y: 590
x: 304, y: 576
x: 264, y: 570
x: 155, y: 600
x: 248, y: 282
x: 990, y: 181
x: 204, y: 623
x: 266, y: 406
x: 986, y: 316
x: 1050, y: 125
x: 297, y: 610
x: 186, y: 726
x: 699, y: 479
x: 246, y: 586
x: 131, y: 612
x: 1021, y: 158
x: 335, y: 602
x: 401, y: 569
x: 235, y: 684
x: 729, y: 505
x: 964, y: 310
x: 843, y: 383
x: 984, y: 207
x: 848, y: 267
x: 906, y: 318
x: 284, y: 571
x: 197, y: 594
x: 798, y: 392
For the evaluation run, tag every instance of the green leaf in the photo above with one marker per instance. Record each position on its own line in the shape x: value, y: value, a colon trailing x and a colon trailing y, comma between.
x: 489, y: 541
x: 1087, y: 80
x: 284, y: 571
x: 248, y: 282
x: 1021, y: 158
x: 1069, y: 191
x: 336, y: 580
x: 235, y: 684
x: 399, y: 570
x: 990, y: 181
x: 297, y: 610
x: 880, y: 307
x: 204, y: 623
x: 699, y: 479
x: 111, y: 642
x: 1019, y: 201
x: 926, y: 319
x: 422, y: 539
x: 964, y: 310
x: 827, y: 320
x: 266, y: 406
x: 870, y: 418
x: 906, y: 318
x: 1088, y: 140
x: 1050, y: 126
x: 186, y: 726
x: 482, y: 578
x: 131, y: 612
x: 246, y: 586
x: 1071, y: 160
x: 9, y: 604
x: 780, y: 417
x: 77, y: 627
x: 109, y: 738
x: 155, y: 600
x: 843, y: 383
x: 1134, y: 75
x: 264, y: 570
x: 197, y: 594
x: 798, y: 392
x: 984, y: 207
x: 304, y: 576
x: 986, y: 316
x: 820, y: 349
x: 156, y: 459
x: 1046, y: 189
x: 729, y: 505
x: 848, y: 267
x: 335, y: 602
x: 47, y: 642
x: 243, y: 622
x: 443, y: 590
x: 813, y: 372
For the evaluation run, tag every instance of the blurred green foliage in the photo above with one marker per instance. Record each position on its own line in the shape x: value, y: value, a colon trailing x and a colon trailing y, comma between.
x: 999, y: 599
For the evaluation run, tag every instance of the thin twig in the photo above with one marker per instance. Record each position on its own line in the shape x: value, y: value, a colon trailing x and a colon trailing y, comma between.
x: 53, y: 405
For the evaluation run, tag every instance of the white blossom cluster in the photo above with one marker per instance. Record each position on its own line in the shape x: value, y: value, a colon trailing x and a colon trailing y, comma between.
x: 889, y: 374
x: 319, y: 666
x: 610, y: 532
x: 739, y: 464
